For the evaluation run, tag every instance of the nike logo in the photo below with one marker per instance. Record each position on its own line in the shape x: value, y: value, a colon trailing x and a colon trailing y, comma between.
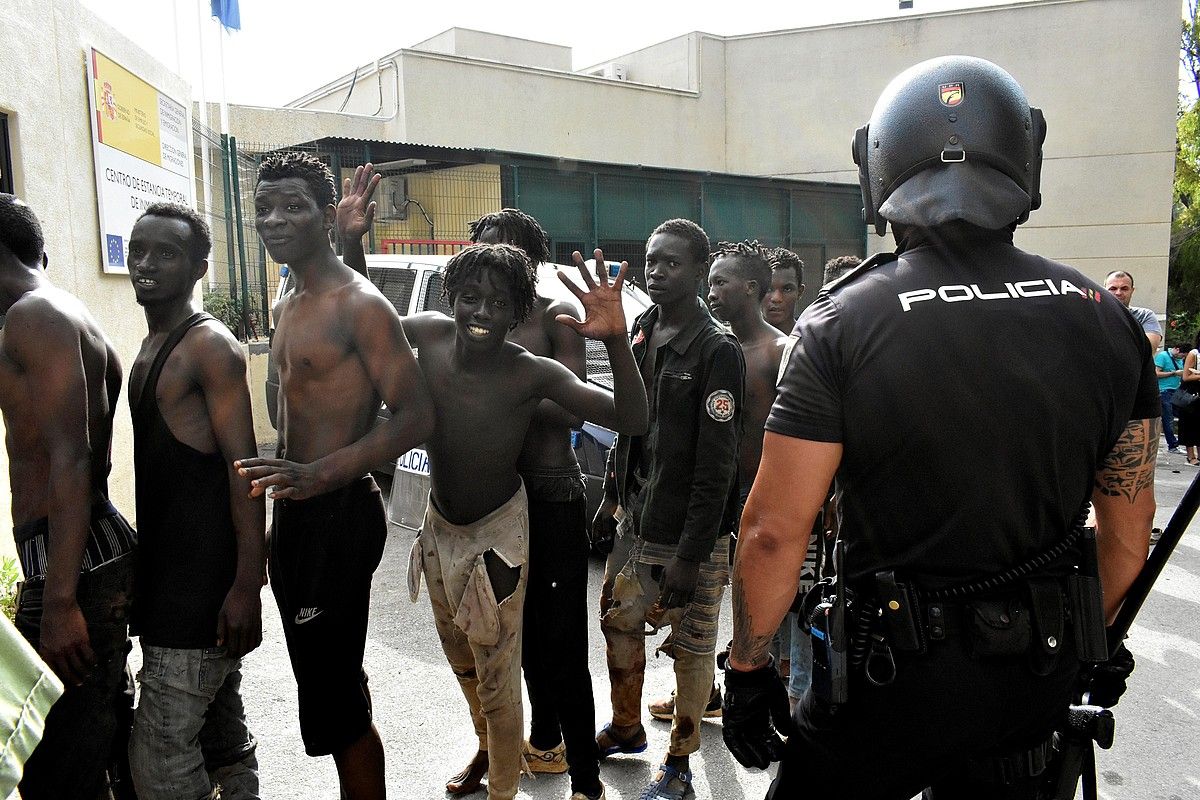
x: 307, y: 615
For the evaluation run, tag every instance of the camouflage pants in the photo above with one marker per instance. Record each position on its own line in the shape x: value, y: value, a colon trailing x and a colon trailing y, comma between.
x: 628, y: 607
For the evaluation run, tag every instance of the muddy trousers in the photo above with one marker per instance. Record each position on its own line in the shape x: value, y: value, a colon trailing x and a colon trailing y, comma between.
x: 476, y: 575
x: 629, y: 595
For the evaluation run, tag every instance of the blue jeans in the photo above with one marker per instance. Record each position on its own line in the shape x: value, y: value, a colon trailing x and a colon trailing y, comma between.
x: 189, y: 731
x: 802, y: 656
x: 1168, y: 417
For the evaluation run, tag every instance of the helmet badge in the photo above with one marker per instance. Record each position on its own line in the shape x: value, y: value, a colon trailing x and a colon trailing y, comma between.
x: 951, y: 94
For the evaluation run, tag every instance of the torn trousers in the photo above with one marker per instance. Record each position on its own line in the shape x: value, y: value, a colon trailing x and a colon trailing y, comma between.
x: 628, y: 608
x: 480, y: 627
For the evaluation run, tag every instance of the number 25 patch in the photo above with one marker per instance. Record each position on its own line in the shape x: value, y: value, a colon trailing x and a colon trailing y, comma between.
x: 720, y: 405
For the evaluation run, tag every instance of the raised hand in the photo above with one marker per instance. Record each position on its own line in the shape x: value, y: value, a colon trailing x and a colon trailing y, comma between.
x: 603, y: 317
x: 356, y: 209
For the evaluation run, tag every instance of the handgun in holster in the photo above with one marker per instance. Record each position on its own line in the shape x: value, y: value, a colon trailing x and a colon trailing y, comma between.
x: 827, y: 626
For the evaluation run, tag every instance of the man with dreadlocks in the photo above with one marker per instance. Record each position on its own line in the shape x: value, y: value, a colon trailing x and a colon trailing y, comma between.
x: 555, y: 659
x: 787, y: 287
x: 341, y: 352
x: 473, y: 545
x: 555, y: 648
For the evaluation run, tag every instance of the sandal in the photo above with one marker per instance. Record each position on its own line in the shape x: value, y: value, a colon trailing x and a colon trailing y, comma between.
x: 471, y: 778
x: 669, y: 784
x: 609, y: 742
x: 1195, y: 462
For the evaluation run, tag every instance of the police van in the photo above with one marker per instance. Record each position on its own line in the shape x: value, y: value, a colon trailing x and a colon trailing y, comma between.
x: 413, y: 283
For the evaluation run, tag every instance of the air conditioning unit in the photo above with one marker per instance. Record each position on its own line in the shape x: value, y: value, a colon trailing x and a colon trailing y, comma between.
x: 392, y: 198
x: 612, y: 70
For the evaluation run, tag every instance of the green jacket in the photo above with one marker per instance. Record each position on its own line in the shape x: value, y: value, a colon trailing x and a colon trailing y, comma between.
x: 27, y: 690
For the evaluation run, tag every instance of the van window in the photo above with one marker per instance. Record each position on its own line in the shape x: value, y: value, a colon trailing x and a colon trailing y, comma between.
x: 396, y: 285
x: 433, y: 295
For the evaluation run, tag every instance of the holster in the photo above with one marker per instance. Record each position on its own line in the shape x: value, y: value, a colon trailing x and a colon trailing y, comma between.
x: 1087, y: 603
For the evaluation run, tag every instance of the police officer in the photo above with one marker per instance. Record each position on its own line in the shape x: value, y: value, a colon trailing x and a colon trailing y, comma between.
x: 971, y: 399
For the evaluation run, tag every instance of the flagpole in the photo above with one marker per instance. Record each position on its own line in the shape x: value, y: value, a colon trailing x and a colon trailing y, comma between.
x: 205, y: 144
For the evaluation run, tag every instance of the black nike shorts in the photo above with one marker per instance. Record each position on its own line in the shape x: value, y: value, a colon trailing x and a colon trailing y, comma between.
x: 323, y: 553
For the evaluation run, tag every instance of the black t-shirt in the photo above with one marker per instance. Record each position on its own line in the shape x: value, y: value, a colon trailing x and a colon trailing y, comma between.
x: 975, y: 389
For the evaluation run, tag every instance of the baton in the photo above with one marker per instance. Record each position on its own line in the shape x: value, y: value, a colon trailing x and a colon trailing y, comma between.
x: 1080, y: 757
x: 1139, y: 590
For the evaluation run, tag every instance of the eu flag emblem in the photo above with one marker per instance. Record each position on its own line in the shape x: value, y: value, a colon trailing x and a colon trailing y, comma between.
x: 116, y: 251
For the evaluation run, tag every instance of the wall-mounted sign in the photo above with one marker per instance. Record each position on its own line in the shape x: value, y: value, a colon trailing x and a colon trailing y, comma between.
x: 140, y: 148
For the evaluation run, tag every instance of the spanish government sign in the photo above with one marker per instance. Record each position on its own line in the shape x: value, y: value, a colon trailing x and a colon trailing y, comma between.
x: 140, y: 148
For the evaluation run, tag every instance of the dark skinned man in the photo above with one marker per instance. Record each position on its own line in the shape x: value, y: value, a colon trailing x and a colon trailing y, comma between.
x: 473, y: 546
x: 59, y: 384
x: 787, y: 287
x: 554, y: 645
x: 201, y: 543
x: 341, y: 351
x: 677, y: 488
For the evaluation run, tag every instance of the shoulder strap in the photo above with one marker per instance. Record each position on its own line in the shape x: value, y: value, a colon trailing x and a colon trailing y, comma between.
x: 877, y: 260
x: 150, y: 387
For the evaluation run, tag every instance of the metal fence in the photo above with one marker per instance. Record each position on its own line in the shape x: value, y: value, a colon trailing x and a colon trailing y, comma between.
x: 424, y: 206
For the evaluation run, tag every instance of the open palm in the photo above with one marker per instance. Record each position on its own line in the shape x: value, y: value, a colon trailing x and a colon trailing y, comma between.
x: 603, y: 317
x: 356, y: 209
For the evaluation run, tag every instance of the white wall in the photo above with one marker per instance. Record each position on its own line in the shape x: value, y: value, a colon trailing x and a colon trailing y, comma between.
x: 44, y: 92
x: 1103, y: 72
x: 786, y: 104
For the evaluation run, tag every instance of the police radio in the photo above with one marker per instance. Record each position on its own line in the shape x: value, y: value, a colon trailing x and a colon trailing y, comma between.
x: 827, y: 626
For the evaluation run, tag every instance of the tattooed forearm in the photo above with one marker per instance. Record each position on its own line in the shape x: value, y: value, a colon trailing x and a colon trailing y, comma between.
x: 747, y: 648
x: 1129, y: 469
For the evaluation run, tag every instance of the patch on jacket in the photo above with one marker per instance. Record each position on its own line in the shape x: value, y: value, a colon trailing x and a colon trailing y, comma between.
x: 720, y: 405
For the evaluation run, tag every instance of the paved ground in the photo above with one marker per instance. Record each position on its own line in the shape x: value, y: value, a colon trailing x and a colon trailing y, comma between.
x: 423, y: 719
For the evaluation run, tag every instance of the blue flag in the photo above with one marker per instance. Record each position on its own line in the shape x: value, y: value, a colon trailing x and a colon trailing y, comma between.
x: 227, y: 12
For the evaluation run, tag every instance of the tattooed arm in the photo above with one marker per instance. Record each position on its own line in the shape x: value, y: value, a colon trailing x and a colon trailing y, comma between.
x: 1123, y: 498
x: 775, y: 530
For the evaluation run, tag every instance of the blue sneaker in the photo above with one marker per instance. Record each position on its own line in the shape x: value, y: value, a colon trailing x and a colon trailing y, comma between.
x: 669, y: 784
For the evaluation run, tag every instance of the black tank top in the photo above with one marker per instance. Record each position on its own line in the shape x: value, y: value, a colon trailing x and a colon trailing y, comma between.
x: 187, y: 549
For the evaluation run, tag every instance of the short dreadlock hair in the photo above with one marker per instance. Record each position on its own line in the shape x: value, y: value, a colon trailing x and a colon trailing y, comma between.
x: 20, y: 230
x: 782, y: 258
x: 509, y: 262
x: 309, y: 168
x: 839, y: 266
x: 752, y: 262
x: 697, y: 240
x: 201, y: 241
x: 518, y: 228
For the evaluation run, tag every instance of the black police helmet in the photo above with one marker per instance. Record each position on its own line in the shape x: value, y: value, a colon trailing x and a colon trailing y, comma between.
x: 951, y: 138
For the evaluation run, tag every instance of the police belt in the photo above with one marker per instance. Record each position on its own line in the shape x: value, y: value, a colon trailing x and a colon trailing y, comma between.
x: 1024, y: 610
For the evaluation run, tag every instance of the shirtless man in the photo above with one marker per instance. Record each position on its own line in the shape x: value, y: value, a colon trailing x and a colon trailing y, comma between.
x: 737, y: 284
x: 201, y: 545
x: 341, y: 351
x: 473, y: 544
x: 562, y: 714
x: 59, y: 383
x: 554, y: 646
x: 787, y: 287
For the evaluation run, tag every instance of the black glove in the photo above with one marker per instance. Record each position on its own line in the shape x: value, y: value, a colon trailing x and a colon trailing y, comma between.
x: 1105, y: 682
x: 755, y: 715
